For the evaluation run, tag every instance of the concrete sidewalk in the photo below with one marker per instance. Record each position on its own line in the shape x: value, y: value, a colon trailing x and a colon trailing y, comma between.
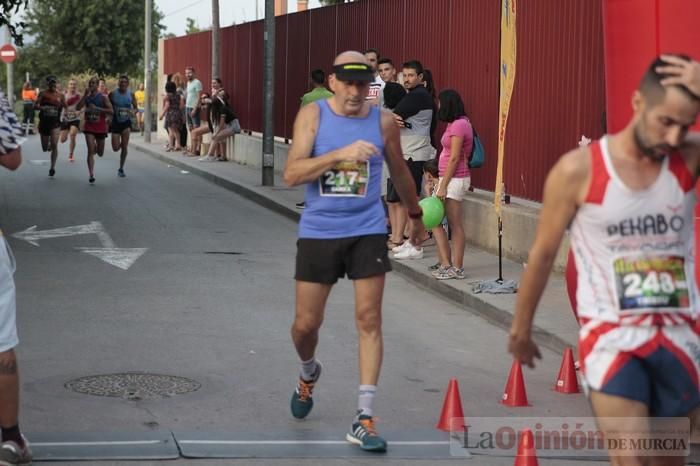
x: 555, y: 326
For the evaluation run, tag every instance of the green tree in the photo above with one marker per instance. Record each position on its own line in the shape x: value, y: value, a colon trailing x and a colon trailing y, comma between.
x: 191, y: 27
x: 74, y: 36
x: 8, y: 8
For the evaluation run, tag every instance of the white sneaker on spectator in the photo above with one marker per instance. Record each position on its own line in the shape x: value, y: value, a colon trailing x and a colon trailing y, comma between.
x: 410, y: 252
x: 403, y: 246
x: 208, y: 158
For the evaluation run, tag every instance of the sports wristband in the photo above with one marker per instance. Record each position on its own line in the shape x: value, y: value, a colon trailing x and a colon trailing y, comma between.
x: 416, y: 216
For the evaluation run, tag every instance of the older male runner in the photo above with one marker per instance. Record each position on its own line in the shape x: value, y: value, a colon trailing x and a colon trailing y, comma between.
x: 629, y: 199
x: 339, y: 145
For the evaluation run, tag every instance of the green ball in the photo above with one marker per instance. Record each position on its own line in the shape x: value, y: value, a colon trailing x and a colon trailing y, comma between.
x: 433, y: 211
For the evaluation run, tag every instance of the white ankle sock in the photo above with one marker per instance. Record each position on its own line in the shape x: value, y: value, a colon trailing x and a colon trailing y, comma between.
x: 308, y: 368
x: 366, y: 398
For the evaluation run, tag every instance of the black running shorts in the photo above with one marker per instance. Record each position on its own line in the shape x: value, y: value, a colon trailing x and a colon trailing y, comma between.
x: 327, y: 260
x: 118, y: 128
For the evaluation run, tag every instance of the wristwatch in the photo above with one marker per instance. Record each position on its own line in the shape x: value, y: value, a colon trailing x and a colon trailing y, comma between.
x: 416, y: 215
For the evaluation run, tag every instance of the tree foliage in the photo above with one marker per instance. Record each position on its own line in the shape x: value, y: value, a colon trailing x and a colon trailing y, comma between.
x: 8, y: 8
x: 74, y: 36
x: 192, y: 26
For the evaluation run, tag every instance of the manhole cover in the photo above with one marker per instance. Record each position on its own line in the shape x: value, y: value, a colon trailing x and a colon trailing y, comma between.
x: 133, y: 385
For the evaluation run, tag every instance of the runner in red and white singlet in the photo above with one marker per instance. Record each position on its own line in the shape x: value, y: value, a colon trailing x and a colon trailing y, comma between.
x: 629, y: 200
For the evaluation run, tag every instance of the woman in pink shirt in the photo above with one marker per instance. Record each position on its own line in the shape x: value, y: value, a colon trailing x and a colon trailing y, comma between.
x: 454, y: 182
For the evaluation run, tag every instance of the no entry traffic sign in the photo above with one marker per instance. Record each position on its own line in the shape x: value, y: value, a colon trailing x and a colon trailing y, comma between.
x: 8, y: 53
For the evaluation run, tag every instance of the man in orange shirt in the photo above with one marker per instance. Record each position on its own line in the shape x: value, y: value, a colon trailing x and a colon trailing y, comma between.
x: 29, y: 96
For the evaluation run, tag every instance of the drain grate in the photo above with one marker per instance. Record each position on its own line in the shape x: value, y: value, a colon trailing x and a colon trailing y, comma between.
x: 133, y: 385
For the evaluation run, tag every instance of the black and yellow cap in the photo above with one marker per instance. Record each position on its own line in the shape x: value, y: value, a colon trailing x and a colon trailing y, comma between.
x: 353, y: 72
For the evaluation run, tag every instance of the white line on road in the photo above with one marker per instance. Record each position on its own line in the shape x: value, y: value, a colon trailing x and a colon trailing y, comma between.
x: 95, y: 444
x: 302, y: 442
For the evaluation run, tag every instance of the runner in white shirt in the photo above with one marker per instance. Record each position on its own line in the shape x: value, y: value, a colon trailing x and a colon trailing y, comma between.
x: 629, y: 200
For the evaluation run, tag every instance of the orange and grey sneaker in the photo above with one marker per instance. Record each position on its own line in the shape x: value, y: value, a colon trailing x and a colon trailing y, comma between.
x: 302, y: 402
x: 364, y: 434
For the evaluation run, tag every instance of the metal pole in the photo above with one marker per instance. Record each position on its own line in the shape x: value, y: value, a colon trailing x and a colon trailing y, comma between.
x: 10, y: 73
x: 268, y: 177
x: 215, y: 39
x: 500, y: 250
x: 147, y: 74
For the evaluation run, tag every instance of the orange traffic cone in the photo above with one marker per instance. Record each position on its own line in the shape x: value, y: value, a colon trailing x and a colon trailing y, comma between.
x: 566, y: 380
x: 514, y: 394
x: 452, y: 416
x: 527, y: 456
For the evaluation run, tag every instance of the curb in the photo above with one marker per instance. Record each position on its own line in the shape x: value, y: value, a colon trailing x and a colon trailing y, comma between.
x: 468, y: 301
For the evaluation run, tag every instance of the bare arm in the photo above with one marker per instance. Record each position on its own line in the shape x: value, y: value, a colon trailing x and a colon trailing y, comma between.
x: 563, y: 193
x: 301, y: 167
x: 12, y: 159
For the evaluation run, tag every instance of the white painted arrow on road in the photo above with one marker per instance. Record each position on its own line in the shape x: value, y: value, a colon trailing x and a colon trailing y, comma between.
x: 32, y: 235
x: 122, y: 258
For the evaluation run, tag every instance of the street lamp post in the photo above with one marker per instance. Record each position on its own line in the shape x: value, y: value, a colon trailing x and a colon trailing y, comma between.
x: 147, y: 74
x: 268, y: 149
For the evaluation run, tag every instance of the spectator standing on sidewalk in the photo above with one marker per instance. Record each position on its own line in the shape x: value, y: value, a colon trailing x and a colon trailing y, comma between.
x: 14, y: 448
x: 318, y: 88
x: 453, y: 184
x: 318, y: 91
x: 194, y: 88
x: 393, y: 93
x: 181, y: 90
x: 376, y: 87
x: 29, y: 96
x: 414, y: 115
x: 172, y: 113
x: 386, y: 70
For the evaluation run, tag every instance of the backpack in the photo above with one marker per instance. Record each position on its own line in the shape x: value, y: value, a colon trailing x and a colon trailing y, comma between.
x: 476, y: 158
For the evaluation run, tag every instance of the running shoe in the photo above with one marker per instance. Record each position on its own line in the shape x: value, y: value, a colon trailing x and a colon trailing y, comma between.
x: 302, y: 402
x: 12, y: 454
x: 92, y: 180
x: 120, y: 173
x: 71, y: 158
x: 411, y: 252
x: 364, y: 434
x: 300, y: 205
x: 458, y: 274
x: 208, y: 158
x: 52, y: 172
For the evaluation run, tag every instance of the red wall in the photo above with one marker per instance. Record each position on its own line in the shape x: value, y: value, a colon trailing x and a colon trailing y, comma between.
x: 559, y: 88
x: 636, y: 31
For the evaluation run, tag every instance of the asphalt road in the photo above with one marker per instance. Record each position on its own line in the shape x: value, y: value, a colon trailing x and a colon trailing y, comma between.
x: 211, y: 300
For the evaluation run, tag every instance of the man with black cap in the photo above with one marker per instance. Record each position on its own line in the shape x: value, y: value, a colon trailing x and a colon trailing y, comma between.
x: 338, y: 149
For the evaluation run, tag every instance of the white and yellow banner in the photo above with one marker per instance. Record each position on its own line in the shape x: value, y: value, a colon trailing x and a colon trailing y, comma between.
x: 507, y: 72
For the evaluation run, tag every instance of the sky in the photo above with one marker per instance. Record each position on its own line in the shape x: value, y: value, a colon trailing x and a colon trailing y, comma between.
x: 230, y: 11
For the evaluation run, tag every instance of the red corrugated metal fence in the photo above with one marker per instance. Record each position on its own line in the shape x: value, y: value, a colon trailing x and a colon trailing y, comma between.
x: 559, y: 88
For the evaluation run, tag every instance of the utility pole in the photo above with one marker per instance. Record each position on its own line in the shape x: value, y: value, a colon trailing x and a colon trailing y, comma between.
x: 268, y: 171
x: 10, y: 73
x: 215, y: 39
x: 147, y: 73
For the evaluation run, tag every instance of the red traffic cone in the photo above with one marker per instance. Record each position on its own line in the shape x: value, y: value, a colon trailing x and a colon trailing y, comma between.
x: 527, y: 456
x: 514, y: 394
x: 452, y: 416
x: 566, y: 380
